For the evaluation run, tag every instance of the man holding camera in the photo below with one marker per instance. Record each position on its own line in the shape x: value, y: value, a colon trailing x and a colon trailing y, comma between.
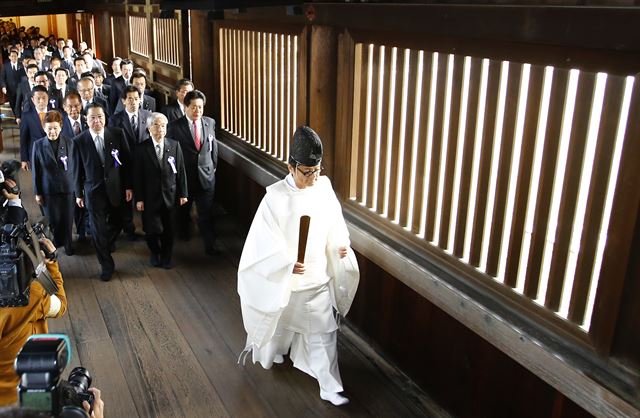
x: 18, y: 323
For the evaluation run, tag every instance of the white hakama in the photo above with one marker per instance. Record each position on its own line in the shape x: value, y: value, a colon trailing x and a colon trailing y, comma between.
x: 283, y: 312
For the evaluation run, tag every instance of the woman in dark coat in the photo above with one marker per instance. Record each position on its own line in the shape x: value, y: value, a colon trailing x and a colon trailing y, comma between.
x: 53, y: 179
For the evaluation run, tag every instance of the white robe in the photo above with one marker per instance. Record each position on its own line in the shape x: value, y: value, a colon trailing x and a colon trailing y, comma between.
x: 265, y: 279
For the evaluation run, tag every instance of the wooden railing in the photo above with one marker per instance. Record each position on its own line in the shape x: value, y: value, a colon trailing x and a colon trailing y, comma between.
x: 138, y: 35
x: 166, y: 41
x: 511, y: 168
x: 259, y: 87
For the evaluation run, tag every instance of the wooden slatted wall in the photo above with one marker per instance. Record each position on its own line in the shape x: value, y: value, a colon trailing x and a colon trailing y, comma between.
x: 511, y: 168
x: 259, y: 87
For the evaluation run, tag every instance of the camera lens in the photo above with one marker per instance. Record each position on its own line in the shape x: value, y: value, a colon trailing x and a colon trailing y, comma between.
x: 80, y: 379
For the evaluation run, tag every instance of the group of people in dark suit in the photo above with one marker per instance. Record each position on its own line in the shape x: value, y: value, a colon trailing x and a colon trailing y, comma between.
x: 136, y: 158
x: 99, y: 153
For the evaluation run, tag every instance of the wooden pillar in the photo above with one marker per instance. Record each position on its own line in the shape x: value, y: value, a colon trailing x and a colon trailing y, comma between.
x: 322, y: 89
x: 202, y: 57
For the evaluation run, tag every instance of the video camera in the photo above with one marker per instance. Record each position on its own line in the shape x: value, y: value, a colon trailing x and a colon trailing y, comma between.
x: 18, y: 238
x: 39, y: 365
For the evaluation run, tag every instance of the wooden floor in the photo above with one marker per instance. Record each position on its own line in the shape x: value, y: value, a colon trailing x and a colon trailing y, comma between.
x: 165, y: 343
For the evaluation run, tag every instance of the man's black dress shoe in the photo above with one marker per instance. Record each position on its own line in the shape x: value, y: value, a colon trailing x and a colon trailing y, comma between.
x: 106, y: 275
x: 154, y: 260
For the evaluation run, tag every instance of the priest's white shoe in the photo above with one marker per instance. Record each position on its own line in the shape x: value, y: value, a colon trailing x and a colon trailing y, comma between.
x: 278, y: 359
x: 334, y: 398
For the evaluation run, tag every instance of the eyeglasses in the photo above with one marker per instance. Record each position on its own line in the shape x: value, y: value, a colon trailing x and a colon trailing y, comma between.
x: 309, y: 173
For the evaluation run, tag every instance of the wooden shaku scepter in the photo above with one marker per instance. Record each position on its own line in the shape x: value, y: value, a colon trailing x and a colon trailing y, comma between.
x: 302, y: 238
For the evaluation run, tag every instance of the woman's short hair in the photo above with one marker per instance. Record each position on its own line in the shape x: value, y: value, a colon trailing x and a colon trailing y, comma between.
x: 53, y: 116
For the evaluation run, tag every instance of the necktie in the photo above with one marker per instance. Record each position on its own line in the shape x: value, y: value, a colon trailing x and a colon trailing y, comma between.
x: 100, y: 148
x: 158, y: 153
x: 133, y: 123
x: 41, y: 116
x: 76, y: 128
x: 196, y: 135
x: 14, y: 68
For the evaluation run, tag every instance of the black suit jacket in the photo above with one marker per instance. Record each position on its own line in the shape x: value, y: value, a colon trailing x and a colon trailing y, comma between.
x: 155, y: 183
x: 121, y: 120
x: 69, y: 66
x: 22, y: 98
x: 57, y: 53
x: 90, y: 176
x: 67, y: 129
x: 30, y: 131
x: 197, y: 179
x: 55, y: 102
x: 148, y: 103
x: 10, y: 79
x: 117, y: 87
x: 103, y: 92
x: 50, y: 175
x: 172, y: 111
x: 101, y: 102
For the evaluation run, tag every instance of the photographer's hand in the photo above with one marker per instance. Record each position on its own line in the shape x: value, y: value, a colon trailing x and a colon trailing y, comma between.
x: 80, y: 202
x: 51, y: 249
x: 25, y: 165
x: 40, y: 199
x: 9, y: 196
x: 98, y: 404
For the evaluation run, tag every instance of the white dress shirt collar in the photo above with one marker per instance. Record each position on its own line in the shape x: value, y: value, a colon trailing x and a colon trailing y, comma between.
x: 94, y: 134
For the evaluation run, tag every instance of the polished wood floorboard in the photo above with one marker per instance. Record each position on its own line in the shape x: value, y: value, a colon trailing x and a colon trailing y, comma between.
x: 165, y: 343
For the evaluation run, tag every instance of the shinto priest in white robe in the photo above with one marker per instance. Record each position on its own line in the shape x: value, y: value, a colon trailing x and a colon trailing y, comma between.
x: 282, y: 310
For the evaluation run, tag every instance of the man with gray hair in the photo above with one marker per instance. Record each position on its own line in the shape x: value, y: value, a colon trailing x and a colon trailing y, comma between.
x: 160, y: 185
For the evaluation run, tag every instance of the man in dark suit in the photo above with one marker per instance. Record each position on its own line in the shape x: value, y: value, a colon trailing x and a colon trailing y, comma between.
x: 87, y: 93
x: 102, y: 90
x: 61, y: 76
x: 139, y: 80
x: 119, y: 83
x: 102, y: 178
x: 133, y: 121
x: 42, y: 61
x: 196, y: 135
x: 31, y: 125
x: 55, y: 100
x: 79, y: 68
x: 73, y: 123
x: 67, y: 60
x: 24, y: 91
x: 92, y: 63
x: 59, y: 51
x: 115, y: 67
x: 159, y: 183
x: 175, y: 110
x: 10, y: 78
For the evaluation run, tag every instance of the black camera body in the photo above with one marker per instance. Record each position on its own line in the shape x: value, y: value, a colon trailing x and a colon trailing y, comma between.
x: 20, y: 260
x: 40, y: 364
x: 15, y: 277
